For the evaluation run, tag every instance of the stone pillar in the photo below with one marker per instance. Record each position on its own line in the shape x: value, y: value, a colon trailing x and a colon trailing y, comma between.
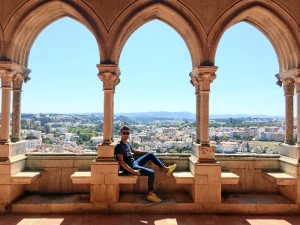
x: 109, y: 75
x: 16, y: 111
x: 6, y: 78
x: 202, y: 163
x: 201, y: 78
x: 297, y: 84
x: 195, y: 83
x: 104, y: 170
x: 7, y: 71
x: 10, y: 72
x: 288, y: 86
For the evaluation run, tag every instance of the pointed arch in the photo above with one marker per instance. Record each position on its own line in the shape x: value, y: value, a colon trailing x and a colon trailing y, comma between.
x: 23, y: 36
x: 1, y: 41
x: 193, y: 33
x: 273, y: 21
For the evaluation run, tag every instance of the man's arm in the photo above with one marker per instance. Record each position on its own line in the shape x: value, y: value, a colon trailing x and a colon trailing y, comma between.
x: 137, y: 152
x: 126, y: 167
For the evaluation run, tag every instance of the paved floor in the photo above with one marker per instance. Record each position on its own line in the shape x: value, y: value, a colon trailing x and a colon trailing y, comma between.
x: 148, y: 219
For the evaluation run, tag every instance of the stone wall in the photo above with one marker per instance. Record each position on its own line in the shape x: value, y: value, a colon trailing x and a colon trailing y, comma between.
x: 57, y: 170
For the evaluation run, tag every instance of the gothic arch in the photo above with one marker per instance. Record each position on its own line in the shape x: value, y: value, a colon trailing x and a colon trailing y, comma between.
x: 273, y: 21
x: 1, y: 41
x: 37, y: 19
x: 192, y: 33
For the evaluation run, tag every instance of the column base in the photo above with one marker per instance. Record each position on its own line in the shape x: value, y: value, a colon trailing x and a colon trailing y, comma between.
x: 10, y: 149
x: 207, y: 186
x: 205, y: 154
x: 104, y: 182
x: 106, y: 153
x: 291, y: 151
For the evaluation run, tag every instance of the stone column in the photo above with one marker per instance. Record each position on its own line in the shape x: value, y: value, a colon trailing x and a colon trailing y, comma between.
x: 195, y: 83
x: 8, y: 72
x: 16, y: 111
x: 202, y: 163
x: 297, y: 84
x: 288, y: 86
x: 201, y: 78
x: 6, y: 78
x: 109, y: 75
x: 104, y: 170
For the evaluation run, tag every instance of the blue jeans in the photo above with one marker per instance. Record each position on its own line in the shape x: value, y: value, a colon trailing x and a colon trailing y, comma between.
x: 140, y: 162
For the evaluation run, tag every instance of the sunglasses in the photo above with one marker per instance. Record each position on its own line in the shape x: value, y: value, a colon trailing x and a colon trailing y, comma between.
x: 125, y: 133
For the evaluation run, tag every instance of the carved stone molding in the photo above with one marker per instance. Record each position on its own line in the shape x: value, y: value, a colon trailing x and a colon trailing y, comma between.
x: 10, y: 71
x: 202, y: 77
x: 109, y: 75
x: 288, y: 86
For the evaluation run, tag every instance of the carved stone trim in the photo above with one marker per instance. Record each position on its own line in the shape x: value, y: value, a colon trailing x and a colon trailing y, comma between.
x: 202, y: 77
x: 10, y: 71
x: 288, y: 86
x: 109, y: 75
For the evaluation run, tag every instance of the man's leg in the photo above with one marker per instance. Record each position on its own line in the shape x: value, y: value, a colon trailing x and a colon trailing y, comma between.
x: 146, y: 172
x: 149, y: 157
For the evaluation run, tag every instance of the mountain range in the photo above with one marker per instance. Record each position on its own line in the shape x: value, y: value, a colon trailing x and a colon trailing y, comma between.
x: 189, y: 116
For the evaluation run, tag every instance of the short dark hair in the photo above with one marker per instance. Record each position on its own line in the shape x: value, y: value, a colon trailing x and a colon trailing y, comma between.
x: 124, y: 127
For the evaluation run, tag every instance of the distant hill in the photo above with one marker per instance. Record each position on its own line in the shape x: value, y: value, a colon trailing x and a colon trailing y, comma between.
x: 244, y: 116
x: 175, y: 115
x: 162, y: 115
x: 188, y: 115
x: 152, y: 116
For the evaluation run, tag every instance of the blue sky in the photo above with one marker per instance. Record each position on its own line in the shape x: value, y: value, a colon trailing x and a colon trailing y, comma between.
x: 155, y: 65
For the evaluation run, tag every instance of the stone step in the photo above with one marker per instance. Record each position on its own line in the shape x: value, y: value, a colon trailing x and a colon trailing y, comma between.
x: 25, y: 177
x: 185, y: 177
x: 280, y: 178
x: 228, y: 177
x: 81, y: 177
x: 84, y: 177
x: 137, y: 203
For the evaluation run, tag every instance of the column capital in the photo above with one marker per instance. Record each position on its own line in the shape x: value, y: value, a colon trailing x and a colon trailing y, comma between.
x: 288, y: 86
x: 292, y: 73
x: 9, y: 71
x: 202, y: 76
x: 109, y: 75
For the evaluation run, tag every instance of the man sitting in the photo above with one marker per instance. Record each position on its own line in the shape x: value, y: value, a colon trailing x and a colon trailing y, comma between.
x: 123, y: 153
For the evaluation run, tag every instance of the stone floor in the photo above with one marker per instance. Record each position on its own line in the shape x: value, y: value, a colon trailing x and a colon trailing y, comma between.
x: 137, y: 203
x: 148, y: 219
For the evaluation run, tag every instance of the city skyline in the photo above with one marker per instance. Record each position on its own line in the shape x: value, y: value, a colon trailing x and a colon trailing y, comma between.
x: 154, y: 64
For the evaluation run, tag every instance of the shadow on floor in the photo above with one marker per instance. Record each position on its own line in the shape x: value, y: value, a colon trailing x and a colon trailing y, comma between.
x: 148, y: 219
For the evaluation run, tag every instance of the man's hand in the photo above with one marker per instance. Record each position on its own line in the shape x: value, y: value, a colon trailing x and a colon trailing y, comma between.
x: 136, y: 172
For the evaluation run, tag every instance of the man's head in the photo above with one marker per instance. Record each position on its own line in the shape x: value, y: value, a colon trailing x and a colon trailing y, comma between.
x: 124, y: 132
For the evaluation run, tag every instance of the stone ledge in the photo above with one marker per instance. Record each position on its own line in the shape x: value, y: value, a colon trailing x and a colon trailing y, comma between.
x: 280, y: 178
x: 228, y: 177
x: 186, y: 177
x: 172, y: 203
x: 81, y: 177
x: 84, y: 177
x: 25, y: 177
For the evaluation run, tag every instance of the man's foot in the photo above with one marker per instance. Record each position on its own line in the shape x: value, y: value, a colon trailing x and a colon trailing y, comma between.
x: 171, y: 169
x: 153, y: 198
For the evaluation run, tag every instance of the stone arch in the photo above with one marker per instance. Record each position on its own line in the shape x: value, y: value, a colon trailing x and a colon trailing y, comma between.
x: 32, y: 24
x: 273, y: 21
x: 182, y: 20
x: 1, y: 42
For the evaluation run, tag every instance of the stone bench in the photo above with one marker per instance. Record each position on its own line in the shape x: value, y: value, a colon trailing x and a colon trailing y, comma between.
x: 186, y: 177
x: 280, y: 178
x: 228, y: 177
x: 84, y: 177
x: 25, y: 177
